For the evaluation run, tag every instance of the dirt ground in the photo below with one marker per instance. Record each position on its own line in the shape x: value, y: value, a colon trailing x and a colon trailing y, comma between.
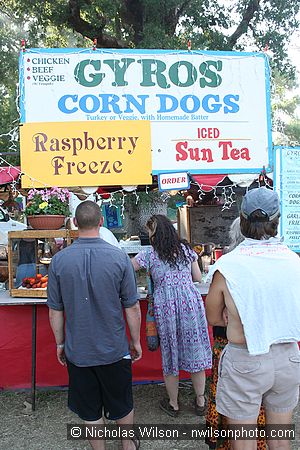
x: 46, y: 428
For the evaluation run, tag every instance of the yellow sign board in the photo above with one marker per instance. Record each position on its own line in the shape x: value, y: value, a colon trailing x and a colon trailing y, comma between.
x: 86, y: 153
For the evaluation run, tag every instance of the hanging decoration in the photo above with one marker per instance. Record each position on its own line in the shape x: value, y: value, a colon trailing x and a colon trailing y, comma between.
x: 12, y: 176
x: 226, y: 198
x: 129, y: 188
x: 123, y: 204
x: 112, y: 216
x: 89, y: 189
x: 165, y: 196
x: 208, y: 182
x: 103, y: 193
x: 9, y: 174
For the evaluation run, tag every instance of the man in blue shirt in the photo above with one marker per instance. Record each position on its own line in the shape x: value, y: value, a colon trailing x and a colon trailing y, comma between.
x: 89, y: 283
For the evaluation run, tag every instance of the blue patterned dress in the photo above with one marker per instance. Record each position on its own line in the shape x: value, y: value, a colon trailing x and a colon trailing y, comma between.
x: 179, y: 314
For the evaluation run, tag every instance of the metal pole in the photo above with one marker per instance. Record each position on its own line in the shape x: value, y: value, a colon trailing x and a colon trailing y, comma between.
x: 33, y: 358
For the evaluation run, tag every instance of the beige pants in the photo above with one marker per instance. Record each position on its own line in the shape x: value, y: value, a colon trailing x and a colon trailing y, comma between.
x: 246, y: 381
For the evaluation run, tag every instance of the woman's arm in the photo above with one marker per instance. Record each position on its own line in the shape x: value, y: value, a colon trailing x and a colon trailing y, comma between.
x: 135, y: 264
x: 196, y: 272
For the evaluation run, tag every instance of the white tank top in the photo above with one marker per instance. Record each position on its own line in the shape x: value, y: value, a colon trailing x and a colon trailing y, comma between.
x: 263, y: 278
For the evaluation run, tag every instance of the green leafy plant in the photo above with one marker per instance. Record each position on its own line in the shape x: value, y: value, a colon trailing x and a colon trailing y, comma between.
x: 54, y: 201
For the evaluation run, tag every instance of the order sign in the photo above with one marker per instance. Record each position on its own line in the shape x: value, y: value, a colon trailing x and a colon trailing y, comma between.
x: 85, y: 154
x: 173, y: 181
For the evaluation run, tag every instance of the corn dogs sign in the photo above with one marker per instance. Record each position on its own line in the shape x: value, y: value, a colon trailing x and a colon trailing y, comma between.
x: 191, y: 112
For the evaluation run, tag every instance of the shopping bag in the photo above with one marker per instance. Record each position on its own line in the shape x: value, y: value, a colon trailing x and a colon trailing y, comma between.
x: 151, y: 330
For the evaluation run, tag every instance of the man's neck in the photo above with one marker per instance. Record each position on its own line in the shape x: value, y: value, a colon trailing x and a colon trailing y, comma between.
x: 90, y: 233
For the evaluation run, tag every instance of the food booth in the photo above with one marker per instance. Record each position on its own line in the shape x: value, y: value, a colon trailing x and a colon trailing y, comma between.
x: 117, y: 119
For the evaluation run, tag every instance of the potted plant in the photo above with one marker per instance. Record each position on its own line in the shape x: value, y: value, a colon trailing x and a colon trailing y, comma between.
x: 46, y: 209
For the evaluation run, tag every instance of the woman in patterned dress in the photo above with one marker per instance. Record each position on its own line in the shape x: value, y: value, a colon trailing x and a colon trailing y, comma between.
x: 178, y: 310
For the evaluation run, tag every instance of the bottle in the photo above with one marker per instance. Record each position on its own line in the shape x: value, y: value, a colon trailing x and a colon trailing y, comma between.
x: 47, y: 255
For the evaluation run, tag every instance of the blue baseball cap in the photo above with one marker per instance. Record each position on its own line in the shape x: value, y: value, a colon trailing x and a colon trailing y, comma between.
x: 262, y: 199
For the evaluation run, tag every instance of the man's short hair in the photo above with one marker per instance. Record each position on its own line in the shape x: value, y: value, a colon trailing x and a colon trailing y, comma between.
x: 260, y: 213
x: 88, y: 215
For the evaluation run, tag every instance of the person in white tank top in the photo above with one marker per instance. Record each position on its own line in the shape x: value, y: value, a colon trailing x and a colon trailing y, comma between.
x: 258, y: 285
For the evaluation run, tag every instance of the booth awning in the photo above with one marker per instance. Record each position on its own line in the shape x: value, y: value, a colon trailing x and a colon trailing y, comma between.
x: 208, y: 182
x: 9, y: 174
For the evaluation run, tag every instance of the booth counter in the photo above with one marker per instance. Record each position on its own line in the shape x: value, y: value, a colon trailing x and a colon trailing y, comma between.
x: 28, y: 352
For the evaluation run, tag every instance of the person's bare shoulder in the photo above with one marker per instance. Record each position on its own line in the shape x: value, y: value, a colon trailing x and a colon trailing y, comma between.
x: 218, y: 279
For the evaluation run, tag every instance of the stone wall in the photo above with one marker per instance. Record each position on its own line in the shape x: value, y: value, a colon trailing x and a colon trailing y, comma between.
x: 211, y: 224
x: 137, y: 214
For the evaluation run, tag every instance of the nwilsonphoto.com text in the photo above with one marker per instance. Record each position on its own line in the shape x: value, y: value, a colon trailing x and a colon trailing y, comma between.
x: 179, y: 432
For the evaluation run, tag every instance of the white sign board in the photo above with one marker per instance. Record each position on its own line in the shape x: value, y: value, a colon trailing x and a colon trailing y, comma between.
x: 209, y: 111
x: 173, y: 181
x: 287, y: 184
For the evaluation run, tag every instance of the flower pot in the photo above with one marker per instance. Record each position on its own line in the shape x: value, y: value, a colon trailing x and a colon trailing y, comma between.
x: 46, y: 222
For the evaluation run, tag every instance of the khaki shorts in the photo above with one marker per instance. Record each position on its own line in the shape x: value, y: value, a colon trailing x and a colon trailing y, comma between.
x: 245, y: 381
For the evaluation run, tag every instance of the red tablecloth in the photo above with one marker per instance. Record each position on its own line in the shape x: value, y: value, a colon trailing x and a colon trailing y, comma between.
x: 15, y: 351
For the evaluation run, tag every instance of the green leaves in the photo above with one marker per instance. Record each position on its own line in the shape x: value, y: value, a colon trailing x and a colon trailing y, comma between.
x: 168, y: 24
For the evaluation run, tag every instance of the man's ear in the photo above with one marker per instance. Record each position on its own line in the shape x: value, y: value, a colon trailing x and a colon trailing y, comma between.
x: 101, y: 221
x: 75, y: 222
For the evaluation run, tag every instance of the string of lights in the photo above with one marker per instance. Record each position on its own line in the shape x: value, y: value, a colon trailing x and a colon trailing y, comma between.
x: 227, y: 192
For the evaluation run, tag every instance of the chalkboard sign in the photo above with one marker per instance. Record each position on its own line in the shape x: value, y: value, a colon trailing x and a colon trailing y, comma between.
x: 287, y: 185
x: 207, y: 223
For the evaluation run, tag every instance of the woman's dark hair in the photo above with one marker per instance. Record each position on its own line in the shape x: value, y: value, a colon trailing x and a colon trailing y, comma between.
x: 165, y: 241
x: 257, y: 227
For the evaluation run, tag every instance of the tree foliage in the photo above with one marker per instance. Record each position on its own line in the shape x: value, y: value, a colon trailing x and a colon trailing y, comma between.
x: 164, y: 24
x: 286, y: 122
x: 211, y: 24
x: 9, y: 38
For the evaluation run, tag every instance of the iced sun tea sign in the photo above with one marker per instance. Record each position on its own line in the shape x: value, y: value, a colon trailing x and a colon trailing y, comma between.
x: 209, y: 112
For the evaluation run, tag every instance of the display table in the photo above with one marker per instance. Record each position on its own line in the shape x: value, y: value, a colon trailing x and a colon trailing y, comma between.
x: 28, y: 351
x: 8, y: 337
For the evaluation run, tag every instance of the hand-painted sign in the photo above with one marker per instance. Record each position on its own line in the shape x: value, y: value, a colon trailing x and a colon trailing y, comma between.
x: 287, y: 184
x: 86, y: 153
x: 173, y: 181
x: 209, y: 111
